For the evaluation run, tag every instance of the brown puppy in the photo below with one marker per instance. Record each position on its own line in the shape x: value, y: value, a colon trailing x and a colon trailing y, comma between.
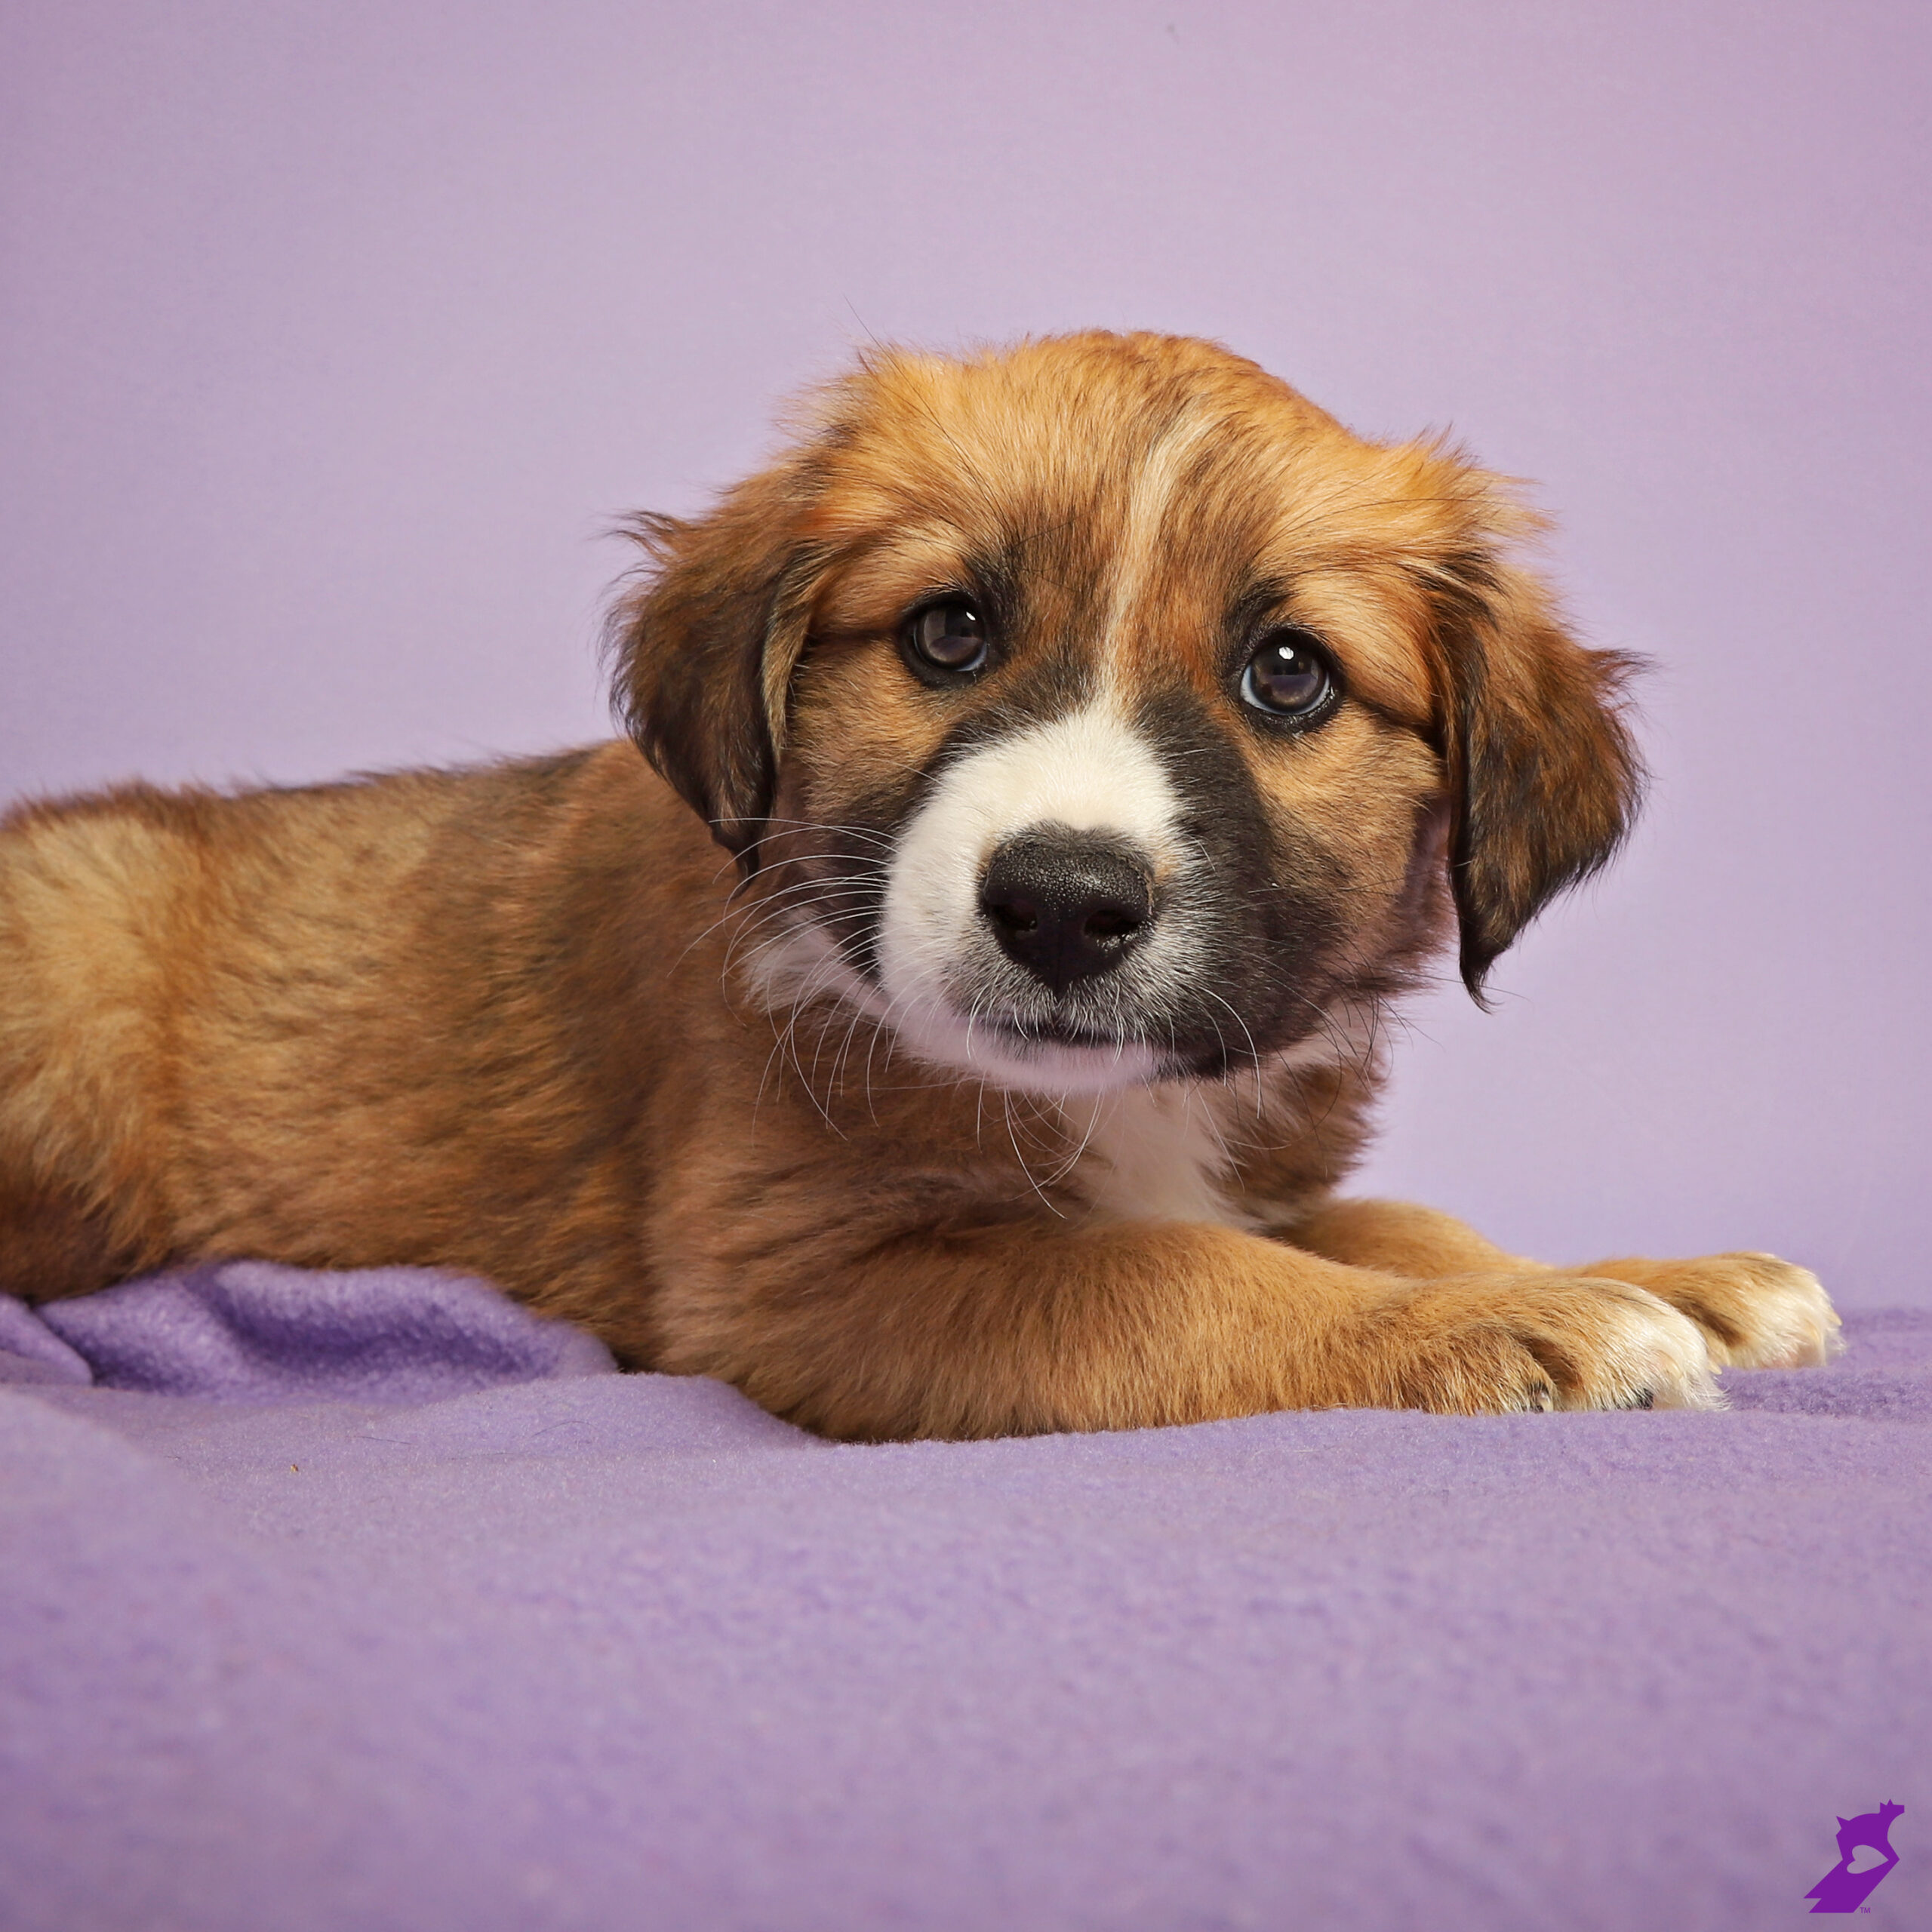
x: 1098, y: 734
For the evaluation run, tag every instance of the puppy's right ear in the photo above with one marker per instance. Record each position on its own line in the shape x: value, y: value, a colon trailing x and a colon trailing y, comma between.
x: 704, y: 647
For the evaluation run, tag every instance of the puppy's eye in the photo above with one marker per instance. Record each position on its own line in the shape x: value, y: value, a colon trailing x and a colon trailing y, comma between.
x: 1290, y: 677
x: 948, y: 637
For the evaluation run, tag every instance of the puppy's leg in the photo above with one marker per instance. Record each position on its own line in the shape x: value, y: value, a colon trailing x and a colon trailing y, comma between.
x: 1400, y: 1238
x: 1026, y: 1328
x: 1756, y: 1310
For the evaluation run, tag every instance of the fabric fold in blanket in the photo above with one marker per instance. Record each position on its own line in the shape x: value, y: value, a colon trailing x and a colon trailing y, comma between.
x: 253, y: 1331
x: 323, y: 1644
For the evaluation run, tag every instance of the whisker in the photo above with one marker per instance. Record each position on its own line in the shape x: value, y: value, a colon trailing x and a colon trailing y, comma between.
x: 771, y: 897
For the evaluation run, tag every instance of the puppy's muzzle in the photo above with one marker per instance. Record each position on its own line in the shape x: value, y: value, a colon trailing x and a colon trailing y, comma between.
x: 1066, y: 905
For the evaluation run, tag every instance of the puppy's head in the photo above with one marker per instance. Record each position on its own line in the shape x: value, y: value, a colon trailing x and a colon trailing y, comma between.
x: 1102, y: 711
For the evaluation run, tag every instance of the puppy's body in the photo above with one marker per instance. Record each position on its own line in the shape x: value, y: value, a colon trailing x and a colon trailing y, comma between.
x: 1099, y: 736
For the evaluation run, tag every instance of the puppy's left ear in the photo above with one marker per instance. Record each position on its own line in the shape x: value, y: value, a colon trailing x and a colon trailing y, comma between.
x: 1545, y: 779
x: 703, y: 650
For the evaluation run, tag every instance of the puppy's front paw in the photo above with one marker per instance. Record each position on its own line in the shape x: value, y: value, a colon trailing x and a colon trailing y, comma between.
x: 1756, y: 1310
x: 1482, y: 1344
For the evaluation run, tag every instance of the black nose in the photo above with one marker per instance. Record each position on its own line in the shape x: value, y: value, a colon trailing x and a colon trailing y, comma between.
x: 1066, y: 905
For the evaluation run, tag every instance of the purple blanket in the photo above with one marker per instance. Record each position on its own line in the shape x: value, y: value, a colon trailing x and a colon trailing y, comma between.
x: 394, y: 1612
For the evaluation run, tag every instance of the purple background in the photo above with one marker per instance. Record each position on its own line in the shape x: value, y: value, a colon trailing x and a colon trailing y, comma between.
x: 332, y: 335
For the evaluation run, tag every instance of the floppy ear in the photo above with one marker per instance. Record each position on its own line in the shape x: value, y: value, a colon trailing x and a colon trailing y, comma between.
x: 1545, y: 779
x: 703, y: 649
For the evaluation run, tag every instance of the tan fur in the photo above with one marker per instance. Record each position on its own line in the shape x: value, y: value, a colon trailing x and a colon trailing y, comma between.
x: 530, y: 1021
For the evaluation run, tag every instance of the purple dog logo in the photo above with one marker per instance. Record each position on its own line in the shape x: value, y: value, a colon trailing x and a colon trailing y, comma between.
x: 1846, y: 1886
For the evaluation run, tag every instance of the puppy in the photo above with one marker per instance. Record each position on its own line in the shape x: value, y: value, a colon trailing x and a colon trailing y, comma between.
x: 1099, y: 736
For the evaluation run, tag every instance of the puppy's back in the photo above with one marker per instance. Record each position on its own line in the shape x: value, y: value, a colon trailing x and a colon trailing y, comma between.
x: 221, y: 1018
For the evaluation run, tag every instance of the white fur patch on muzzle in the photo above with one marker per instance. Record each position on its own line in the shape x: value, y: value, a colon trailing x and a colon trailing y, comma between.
x: 956, y: 997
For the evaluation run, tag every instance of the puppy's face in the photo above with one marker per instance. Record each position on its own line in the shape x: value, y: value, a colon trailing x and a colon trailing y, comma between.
x: 1104, y: 712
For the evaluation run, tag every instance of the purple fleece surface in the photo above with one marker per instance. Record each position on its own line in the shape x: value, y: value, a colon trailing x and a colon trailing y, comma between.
x: 607, y: 1651
x: 250, y: 1331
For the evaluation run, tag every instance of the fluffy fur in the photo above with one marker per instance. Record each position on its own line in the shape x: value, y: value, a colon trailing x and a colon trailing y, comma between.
x: 801, y: 1114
